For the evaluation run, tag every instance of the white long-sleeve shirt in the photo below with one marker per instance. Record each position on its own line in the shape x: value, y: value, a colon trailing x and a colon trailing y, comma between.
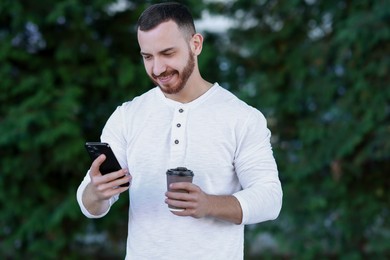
x: 225, y: 142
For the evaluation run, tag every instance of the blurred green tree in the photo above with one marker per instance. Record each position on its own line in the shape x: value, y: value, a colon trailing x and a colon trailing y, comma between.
x: 317, y: 69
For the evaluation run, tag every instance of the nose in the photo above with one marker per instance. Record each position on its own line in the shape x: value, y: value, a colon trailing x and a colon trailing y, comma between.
x: 158, y: 67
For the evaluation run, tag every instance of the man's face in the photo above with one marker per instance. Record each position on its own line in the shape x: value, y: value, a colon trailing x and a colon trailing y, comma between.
x: 168, y: 58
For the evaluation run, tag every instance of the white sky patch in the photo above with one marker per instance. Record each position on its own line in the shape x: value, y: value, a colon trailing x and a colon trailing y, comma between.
x: 208, y: 22
x: 213, y: 23
x: 118, y: 6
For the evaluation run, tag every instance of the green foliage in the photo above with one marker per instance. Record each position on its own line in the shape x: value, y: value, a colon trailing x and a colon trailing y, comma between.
x: 318, y: 70
x: 65, y: 65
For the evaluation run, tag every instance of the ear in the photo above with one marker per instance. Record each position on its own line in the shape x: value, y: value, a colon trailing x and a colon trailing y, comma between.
x: 196, y: 43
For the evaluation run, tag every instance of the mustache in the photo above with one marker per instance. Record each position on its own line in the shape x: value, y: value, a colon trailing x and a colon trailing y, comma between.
x: 164, y: 74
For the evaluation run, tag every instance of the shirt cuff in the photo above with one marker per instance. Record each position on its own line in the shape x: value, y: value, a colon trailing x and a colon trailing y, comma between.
x: 80, y: 192
x: 244, y: 208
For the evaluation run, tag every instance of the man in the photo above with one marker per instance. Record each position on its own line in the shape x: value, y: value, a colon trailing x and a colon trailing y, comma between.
x: 185, y: 121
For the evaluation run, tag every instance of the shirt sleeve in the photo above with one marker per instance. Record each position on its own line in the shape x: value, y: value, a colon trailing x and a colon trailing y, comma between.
x: 113, y: 135
x: 80, y: 191
x: 261, y: 196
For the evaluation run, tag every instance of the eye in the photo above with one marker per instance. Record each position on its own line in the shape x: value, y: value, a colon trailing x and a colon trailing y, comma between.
x: 147, y: 57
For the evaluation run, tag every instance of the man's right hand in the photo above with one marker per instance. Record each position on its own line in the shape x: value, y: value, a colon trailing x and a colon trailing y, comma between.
x: 102, y: 187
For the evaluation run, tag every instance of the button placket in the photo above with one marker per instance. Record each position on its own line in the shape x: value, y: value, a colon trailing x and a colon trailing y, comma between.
x: 178, y: 128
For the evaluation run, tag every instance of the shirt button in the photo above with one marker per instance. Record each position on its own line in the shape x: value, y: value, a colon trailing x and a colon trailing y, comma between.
x: 181, y: 110
x: 178, y: 125
x: 176, y: 141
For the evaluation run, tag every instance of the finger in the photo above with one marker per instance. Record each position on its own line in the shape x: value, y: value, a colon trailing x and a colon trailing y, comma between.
x: 183, y: 186
x: 114, y: 179
x: 108, y: 193
x: 110, y: 181
x: 188, y: 208
x: 123, y: 178
x: 96, y: 165
x: 119, y: 190
x: 175, y: 203
x: 179, y: 196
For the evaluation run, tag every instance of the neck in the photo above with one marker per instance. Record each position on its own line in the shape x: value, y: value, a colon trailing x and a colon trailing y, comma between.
x: 193, y: 89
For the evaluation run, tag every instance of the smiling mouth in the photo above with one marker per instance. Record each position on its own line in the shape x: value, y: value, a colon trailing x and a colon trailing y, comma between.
x: 165, y: 78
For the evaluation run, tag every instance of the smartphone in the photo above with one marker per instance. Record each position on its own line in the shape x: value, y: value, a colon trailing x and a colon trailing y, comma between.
x: 111, y: 164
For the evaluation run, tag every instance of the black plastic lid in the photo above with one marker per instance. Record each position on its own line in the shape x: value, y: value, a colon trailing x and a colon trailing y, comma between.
x: 180, y: 171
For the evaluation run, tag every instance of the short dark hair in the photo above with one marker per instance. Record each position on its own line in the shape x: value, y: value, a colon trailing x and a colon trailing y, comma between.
x: 164, y: 12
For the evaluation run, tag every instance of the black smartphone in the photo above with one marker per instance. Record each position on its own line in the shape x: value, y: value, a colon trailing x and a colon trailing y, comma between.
x: 111, y: 164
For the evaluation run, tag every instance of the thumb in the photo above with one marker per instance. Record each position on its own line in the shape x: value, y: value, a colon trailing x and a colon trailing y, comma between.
x: 96, y: 165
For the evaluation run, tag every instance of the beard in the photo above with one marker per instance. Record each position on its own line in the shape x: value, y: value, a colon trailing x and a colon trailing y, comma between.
x: 183, y: 77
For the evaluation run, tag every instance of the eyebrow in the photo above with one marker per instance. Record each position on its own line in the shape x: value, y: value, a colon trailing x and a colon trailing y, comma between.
x: 162, y: 51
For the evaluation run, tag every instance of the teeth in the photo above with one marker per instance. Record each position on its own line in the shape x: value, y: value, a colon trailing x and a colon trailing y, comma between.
x: 165, y: 78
